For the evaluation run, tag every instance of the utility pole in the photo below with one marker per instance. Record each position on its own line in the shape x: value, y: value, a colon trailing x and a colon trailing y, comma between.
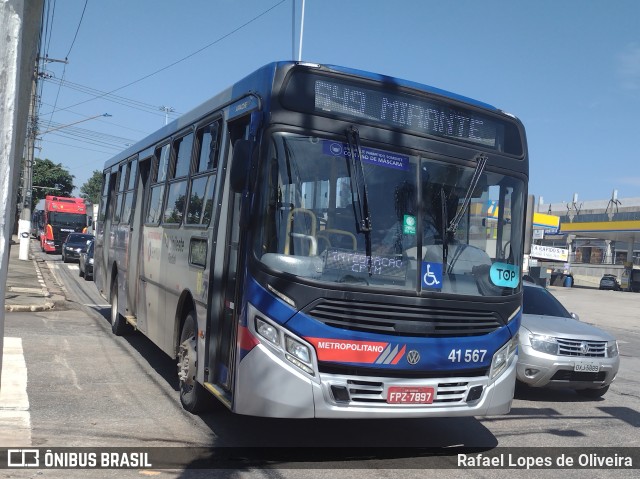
x: 24, y: 223
x: 301, y: 32
x: 166, y: 110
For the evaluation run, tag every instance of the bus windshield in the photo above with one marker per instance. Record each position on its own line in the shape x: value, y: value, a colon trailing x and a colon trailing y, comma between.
x: 311, y: 199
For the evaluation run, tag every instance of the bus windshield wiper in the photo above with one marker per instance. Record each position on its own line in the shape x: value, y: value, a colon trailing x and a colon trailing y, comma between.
x: 359, y: 194
x: 445, y: 231
x: 481, y: 163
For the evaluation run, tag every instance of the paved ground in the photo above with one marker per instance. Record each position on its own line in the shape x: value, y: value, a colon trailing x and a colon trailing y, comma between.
x: 30, y: 288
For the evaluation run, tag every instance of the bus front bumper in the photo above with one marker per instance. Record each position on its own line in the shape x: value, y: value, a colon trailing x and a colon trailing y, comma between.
x: 269, y: 387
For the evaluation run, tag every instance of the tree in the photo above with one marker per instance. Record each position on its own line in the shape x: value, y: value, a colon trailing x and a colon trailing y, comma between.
x: 92, y: 189
x: 50, y: 178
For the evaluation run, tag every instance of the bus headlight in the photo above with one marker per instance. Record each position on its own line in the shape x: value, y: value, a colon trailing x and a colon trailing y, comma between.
x: 298, y: 354
x: 267, y: 331
x: 503, y: 357
x: 280, y: 341
x: 298, y: 350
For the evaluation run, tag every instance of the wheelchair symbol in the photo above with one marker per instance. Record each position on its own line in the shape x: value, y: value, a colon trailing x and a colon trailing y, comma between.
x: 429, y: 278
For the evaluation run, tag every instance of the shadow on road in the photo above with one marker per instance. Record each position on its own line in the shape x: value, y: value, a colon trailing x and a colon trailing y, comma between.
x: 239, y: 441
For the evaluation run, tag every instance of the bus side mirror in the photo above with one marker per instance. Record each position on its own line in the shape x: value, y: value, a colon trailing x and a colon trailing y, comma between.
x: 240, y: 164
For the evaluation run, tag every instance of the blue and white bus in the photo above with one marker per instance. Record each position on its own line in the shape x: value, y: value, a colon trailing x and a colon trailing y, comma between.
x: 315, y: 241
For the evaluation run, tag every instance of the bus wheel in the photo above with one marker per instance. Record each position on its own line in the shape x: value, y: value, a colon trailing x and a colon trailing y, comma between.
x: 119, y: 325
x: 193, y: 396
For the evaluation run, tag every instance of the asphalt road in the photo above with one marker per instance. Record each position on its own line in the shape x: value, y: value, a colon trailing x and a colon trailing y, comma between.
x: 89, y: 388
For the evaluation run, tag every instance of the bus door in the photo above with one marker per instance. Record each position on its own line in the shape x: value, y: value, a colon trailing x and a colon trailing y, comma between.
x: 135, y: 238
x: 225, y: 324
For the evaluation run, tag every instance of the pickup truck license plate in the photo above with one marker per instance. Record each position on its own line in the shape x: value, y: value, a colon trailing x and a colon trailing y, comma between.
x: 586, y: 367
x: 410, y: 395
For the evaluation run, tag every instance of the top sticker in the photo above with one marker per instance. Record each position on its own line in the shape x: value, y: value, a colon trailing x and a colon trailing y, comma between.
x: 504, y: 275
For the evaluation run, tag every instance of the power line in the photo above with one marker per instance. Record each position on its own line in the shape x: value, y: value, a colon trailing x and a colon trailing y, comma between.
x: 64, y: 69
x: 83, y: 131
x: 77, y: 29
x: 88, y: 140
x: 81, y: 147
x: 144, y: 132
x: 184, y: 58
x: 136, y: 104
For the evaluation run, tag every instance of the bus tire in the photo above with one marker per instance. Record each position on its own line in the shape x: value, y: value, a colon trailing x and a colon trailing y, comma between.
x: 193, y: 396
x: 119, y: 325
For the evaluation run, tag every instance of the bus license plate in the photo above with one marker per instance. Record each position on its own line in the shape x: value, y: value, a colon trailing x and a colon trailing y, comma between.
x: 586, y: 367
x: 410, y: 395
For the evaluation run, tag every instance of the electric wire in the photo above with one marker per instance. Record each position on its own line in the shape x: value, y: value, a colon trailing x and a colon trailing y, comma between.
x: 77, y: 29
x: 135, y: 104
x: 183, y: 58
x: 64, y: 68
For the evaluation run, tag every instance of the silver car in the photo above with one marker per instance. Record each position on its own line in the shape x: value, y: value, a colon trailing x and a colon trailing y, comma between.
x: 558, y: 351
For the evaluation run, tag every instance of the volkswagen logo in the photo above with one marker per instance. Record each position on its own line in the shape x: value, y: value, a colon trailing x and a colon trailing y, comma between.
x: 584, y: 347
x: 413, y: 357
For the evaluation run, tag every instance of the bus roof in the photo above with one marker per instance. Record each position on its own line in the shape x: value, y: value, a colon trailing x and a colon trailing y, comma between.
x: 256, y: 81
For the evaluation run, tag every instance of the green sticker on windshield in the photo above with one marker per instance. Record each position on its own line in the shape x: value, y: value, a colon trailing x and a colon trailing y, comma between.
x: 409, y: 225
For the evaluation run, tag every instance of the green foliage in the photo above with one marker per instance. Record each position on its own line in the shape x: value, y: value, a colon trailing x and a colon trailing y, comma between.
x: 50, y: 178
x: 92, y: 189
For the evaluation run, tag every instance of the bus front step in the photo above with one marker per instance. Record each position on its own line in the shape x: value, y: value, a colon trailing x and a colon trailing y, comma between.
x: 132, y: 320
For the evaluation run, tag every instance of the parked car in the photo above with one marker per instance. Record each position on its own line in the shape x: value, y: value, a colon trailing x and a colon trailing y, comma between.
x: 75, y: 244
x: 85, y: 268
x: 559, y: 351
x: 610, y: 281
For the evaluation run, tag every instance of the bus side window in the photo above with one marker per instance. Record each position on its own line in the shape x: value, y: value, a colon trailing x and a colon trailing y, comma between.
x: 162, y: 155
x: 159, y: 175
x: 182, y: 148
x: 207, y: 154
x: 200, y: 207
x: 102, y: 209
x: 155, y: 204
x: 175, y: 202
x: 122, y: 176
x: 128, y: 195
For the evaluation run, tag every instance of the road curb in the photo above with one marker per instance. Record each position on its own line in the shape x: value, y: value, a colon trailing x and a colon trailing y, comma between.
x: 53, y: 300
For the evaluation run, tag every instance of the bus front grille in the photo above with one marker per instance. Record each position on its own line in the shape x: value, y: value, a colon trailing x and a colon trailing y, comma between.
x: 360, y: 392
x: 404, y: 320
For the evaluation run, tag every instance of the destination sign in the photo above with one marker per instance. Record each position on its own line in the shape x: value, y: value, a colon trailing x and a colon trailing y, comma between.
x: 394, y: 108
x: 425, y: 116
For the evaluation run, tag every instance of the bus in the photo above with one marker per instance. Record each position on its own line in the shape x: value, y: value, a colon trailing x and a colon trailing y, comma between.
x: 61, y: 216
x: 37, y: 223
x: 303, y: 245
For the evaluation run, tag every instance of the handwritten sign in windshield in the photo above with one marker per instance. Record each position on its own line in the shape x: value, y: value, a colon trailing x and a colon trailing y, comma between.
x: 357, y: 264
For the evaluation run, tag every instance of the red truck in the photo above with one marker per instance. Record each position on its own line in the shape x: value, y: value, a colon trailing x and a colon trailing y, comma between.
x: 61, y: 217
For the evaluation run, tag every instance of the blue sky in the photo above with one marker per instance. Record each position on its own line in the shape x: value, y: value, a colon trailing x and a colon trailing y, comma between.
x: 570, y: 70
